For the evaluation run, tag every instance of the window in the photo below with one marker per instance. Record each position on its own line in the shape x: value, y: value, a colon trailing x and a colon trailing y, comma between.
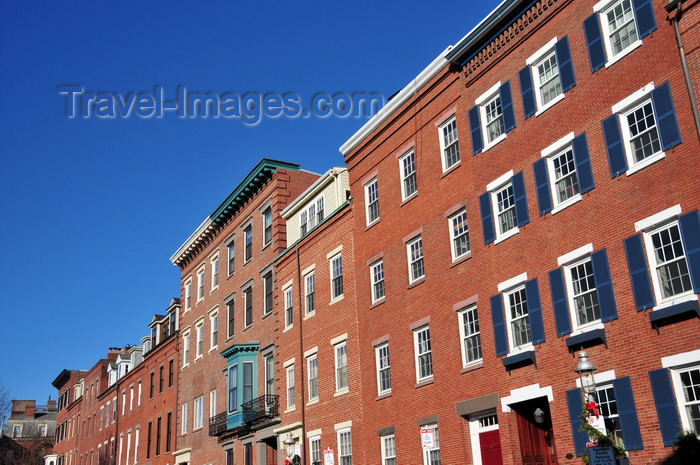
x: 131, y: 401
x: 248, y: 453
x: 504, y: 207
x: 200, y: 343
x: 158, y: 431
x: 290, y: 387
x: 311, y: 216
x: 665, y: 240
x: 584, y: 299
x: 231, y: 257
x: 248, y: 298
x: 518, y: 321
x: 230, y: 327
x: 449, y: 143
x: 381, y: 353
x: 138, y: 399
x: 372, y: 201
x: 233, y: 388
x: 407, y: 167
x: 184, y: 418
x: 267, y: 226
x: 616, y: 28
x: 247, y: 381
x: 415, y: 259
x: 607, y: 407
x: 267, y: 284
x: 188, y: 296
x: 548, y: 74
x: 687, y: 382
x: 168, y: 432
x: 312, y: 363
x: 641, y: 127
x: 424, y: 356
x: 563, y: 173
x: 229, y: 456
x: 309, y: 300
x: 269, y: 374
x: 315, y: 450
x: 344, y: 447
x: 248, y: 233
x: 431, y: 456
x: 320, y: 213
x: 171, y: 373
x: 336, y: 276
x: 388, y: 450
x: 17, y: 431
x: 522, y: 326
x: 492, y: 117
x: 459, y: 234
x: 214, y: 328
x: 303, y: 223
x: 376, y: 271
x: 200, y: 284
x: 341, y: 367
x: 214, y: 272
x: 212, y: 403
x: 470, y: 335
x: 198, y: 413
x: 288, y: 309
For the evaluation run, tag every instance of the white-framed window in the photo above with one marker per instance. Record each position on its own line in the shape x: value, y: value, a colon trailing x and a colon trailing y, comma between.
x: 199, y: 332
x: 248, y: 303
x: 269, y: 373
x: 212, y: 403
x: 289, y: 370
x: 184, y: 419
x: 248, y: 235
x: 188, y: 295
x: 581, y: 291
x: 200, y: 284
x: 388, y: 445
x: 315, y: 451
x: 470, y: 335
x: 311, y: 216
x: 459, y: 234
x: 215, y: 272
x: 607, y: 407
x: 414, y: 248
x: 449, y: 143
x: 431, y: 456
x: 312, y: 370
x: 341, y: 366
x: 198, y: 413
x: 309, y: 294
x: 407, y: 171
x: 231, y: 254
x: 490, y: 110
x: 381, y: 353
x: 288, y: 307
x: 233, y: 388
x: 131, y: 398
x: 268, y: 289
x: 344, y: 447
x: 669, y: 266
x: 618, y: 28
x: 376, y: 272
x: 267, y: 226
x: 686, y: 382
x: 336, y: 265
x: 247, y: 381
x: 372, y: 201
x: 186, y: 349
x: 503, y: 199
x: 423, y: 354
x: 213, y: 330
x: 518, y: 321
x: 230, y: 318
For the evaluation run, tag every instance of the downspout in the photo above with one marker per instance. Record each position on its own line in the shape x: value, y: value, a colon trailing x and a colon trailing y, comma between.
x: 678, y: 5
x: 301, y: 357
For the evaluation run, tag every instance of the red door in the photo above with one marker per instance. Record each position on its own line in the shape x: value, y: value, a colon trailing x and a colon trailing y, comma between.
x: 490, y: 443
x: 536, y: 446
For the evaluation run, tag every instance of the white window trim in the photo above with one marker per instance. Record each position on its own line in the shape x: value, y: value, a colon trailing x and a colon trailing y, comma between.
x: 601, y: 8
x: 338, y: 433
x: 366, y: 191
x: 341, y: 296
x: 506, y: 288
x: 377, y: 349
x: 306, y: 274
x: 402, y: 178
x: 188, y: 293
x: 215, y: 270
x: 198, y: 417
x: 575, y: 255
x: 314, y: 436
x: 426, y: 451
x: 186, y: 347
x: 475, y: 429
x: 290, y: 382
x: 376, y: 299
x: 450, y: 226
x: 341, y: 390
x: 463, y: 335
x: 416, y: 357
x: 411, y: 278
x: 512, y: 282
x: 184, y: 418
x: 480, y: 102
x: 551, y: 152
x: 441, y: 138
x: 575, y: 326
x: 198, y: 325
x: 500, y: 237
x: 201, y: 281
x: 288, y: 302
x: 658, y: 219
x: 309, y: 358
x: 532, y: 63
x: 383, y: 440
x: 213, y: 313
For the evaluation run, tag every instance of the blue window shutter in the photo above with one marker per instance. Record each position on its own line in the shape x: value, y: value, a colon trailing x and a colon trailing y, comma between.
x: 527, y: 92
x: 628, y: 414
x: 594, y: 42
x: 583, y: 163
x: 575, y: 403
x: 690, y: 236
x: 665, y: 115
x: 665, y: 400
x: 544, y: 197
x: 534, y: 311
x: 566, y: 67
x: 560, y: 302
x: 644, y: 17
x: 603, y: 285
x: 507, y: 106
x: 475, y: 126
x: 499, y: 326
x: 521, y: 213
x: 639, y: 273
x: 487, y: 217
x: 613, y: 145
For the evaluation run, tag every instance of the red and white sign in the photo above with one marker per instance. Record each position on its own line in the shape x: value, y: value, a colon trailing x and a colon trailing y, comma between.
x: 427, y: 438
x: 328, y: 457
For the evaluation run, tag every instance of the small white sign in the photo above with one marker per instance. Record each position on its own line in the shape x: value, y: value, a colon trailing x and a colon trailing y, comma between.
x: 328, y: 458
x: 427, y: 438
x: 597, y: 423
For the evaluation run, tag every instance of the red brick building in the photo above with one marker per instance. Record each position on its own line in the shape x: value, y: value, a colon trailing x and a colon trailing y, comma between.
x: 533, y: 192
x: 28, y: 437
x: 228, y: 384
x: 318, y: 346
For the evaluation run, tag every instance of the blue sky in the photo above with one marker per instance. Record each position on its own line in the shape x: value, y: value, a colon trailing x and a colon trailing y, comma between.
x: 93, y: 208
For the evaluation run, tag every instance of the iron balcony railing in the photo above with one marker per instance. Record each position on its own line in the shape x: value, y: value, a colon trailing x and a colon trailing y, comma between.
x: 261, y: 409
x: 217, y: 424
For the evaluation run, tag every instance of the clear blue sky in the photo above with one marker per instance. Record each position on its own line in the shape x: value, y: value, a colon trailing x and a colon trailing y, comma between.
x: 92, y: 209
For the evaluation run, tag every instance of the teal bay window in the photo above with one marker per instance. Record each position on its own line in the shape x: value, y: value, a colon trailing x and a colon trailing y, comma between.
x: 241, y: 362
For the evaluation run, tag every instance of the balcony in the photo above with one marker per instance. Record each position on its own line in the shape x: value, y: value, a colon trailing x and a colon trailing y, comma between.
x: 260, y: 410
x: 217, y: 424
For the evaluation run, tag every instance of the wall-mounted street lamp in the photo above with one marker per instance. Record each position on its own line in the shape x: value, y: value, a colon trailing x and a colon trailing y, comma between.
x: 289, y: 445
x: 585, y: 369
x: 539, y: 416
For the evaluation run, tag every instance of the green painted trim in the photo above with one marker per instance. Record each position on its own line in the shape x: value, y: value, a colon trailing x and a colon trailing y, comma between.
x: 238, y: 348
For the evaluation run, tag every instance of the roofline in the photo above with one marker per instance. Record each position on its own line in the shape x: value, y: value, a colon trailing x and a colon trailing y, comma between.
x: 324, y: 179
x: 262, y: 171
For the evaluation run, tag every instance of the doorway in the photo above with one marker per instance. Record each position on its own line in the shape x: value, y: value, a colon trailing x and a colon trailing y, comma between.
x: 535, y: 432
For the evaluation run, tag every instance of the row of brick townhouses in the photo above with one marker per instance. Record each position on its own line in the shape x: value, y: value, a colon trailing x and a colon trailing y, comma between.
x: 532, y: 193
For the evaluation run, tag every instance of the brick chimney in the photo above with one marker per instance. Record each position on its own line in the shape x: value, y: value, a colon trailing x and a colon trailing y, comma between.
x: 51, y: 405
x: 30, y: 410
x: 23, y: 407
